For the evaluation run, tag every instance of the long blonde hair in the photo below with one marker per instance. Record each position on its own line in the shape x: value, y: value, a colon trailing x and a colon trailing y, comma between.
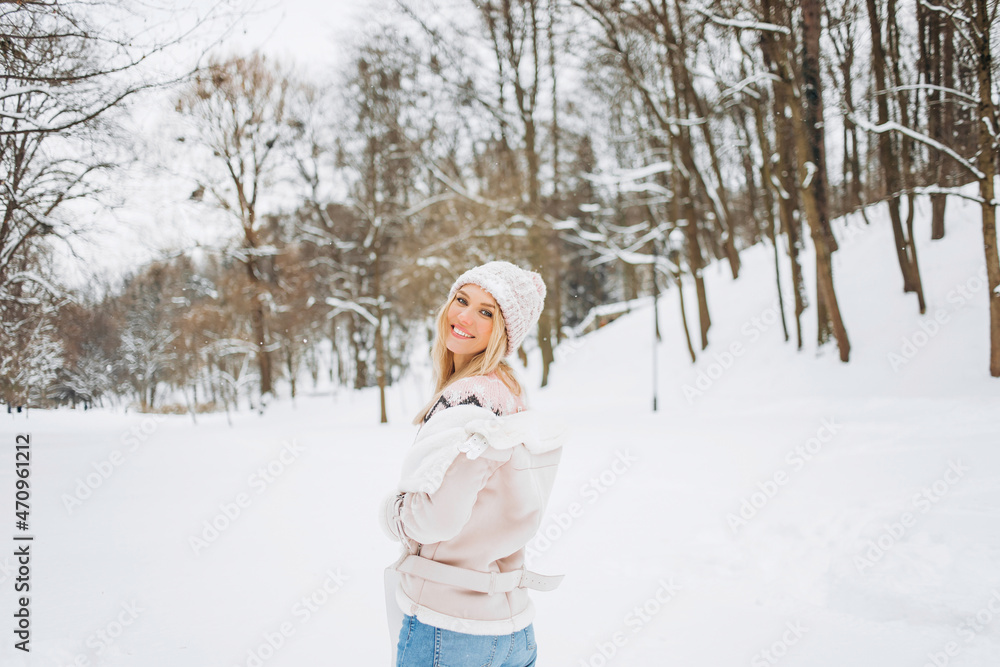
x: 489, y: 360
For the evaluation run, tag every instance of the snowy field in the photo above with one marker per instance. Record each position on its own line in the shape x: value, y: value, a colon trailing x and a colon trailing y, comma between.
x: 780, y: 508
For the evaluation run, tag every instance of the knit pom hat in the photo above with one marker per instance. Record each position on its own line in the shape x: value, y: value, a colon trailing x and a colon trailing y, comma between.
x: 519, y: 293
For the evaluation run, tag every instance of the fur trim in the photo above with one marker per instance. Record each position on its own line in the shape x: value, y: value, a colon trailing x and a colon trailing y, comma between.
x: 443, y: 437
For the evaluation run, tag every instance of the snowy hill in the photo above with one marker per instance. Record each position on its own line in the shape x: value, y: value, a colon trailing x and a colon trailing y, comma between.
x: 792, y: 509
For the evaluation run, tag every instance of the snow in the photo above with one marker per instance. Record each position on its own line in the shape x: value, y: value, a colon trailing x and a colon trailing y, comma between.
x: 624, y: 176
x: 607, y: 309
x: 737, y: 23
x: 342, y: 306
x: 810, y: 172
x: 796, y: 510
x: 891, y: 126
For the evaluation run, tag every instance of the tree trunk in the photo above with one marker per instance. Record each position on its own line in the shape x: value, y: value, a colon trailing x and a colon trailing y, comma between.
x: 379, y: 342
x: 694, y: 255
x: 259, y: 326
x: 543, y: 262
x: 929, y: 31
x: 910, y: 213
x: 360, y: 365
x: 813, y: 152
x: 887, y: 157
x: 775, y: 56
x: 938, y: 204
x: 769, y: 221
x: 685, y: 215
x: 258, y: 321
x: 906, y: 150
x: 852, y: 159
x: 629, y: 281
x: 684, y: 90
x: 555, y: 134
x: 750, y: 172
x: 947, y: 59
x: 987, y: 165
x: 290, y: 365
x: 684, y: 319
x: 526, y: 99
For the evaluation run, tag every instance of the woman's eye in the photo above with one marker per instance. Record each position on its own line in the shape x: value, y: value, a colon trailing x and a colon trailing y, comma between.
x: 460, y: 300
x: 487, y: 313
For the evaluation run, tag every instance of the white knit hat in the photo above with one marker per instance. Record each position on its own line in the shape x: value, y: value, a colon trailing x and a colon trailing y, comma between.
x: 519, y: 293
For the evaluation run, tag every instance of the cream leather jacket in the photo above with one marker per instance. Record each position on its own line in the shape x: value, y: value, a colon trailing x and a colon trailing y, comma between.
x: 472, y: 493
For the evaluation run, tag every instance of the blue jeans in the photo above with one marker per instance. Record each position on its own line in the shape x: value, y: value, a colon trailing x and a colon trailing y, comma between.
x: 423, y: 645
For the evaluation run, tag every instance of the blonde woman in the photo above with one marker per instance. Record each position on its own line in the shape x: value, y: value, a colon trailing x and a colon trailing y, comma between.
x: 474, y: 486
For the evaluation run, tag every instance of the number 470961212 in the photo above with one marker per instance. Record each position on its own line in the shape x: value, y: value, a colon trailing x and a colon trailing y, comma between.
x: 23, y: 493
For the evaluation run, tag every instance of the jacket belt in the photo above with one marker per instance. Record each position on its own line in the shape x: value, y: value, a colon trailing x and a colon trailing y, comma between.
x: 482, y: 582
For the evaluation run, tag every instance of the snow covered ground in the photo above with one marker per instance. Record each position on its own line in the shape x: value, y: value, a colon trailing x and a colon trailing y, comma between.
x: 780, y: 508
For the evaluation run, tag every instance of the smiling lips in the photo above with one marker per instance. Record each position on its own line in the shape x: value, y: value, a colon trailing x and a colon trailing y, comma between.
x: 461, y: 333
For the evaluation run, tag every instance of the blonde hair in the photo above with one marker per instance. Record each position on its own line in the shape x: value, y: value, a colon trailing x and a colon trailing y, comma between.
x: 489, y: 360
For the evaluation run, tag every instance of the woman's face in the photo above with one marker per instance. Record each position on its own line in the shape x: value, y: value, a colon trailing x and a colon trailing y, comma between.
x: 470, y: 322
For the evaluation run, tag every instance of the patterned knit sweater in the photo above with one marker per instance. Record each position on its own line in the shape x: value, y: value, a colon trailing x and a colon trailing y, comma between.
x: 486, y: 391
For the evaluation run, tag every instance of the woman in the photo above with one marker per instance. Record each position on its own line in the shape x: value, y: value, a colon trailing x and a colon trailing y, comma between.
x: 474, y: 485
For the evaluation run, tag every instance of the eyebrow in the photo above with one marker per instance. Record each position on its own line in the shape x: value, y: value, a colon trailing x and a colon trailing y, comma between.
x: 481, y: 303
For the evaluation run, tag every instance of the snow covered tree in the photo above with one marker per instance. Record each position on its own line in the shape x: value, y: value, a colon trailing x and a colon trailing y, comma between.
x: 379, y: 154
x: 811, y: 149
x: 146, y: 352
x: 89, y: 329
x: 650, y: 43
x: 906, y: 251
x: 31, y: 352
x: 973, y: 21
x: 493, y: 59
x: 65, y: 69
x: 237, y: 113
x: 981, y: 27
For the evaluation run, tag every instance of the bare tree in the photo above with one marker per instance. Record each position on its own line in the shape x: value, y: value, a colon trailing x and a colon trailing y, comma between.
x: 776, y: 45
x: 983, y: 17
x: 237, y: 109
x: 842, y: 28
x: 906, y: 252
x: 509, y: 86
x: 378, y: 152
x: 631, y: 30
x: 811, y: 149
x: 31, y: 352
x: 67, y: 68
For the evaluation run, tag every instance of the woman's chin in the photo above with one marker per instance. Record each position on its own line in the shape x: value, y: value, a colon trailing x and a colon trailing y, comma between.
x: 458, y: 347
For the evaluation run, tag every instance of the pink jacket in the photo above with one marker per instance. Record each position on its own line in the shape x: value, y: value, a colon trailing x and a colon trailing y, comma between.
x: 474, y: 506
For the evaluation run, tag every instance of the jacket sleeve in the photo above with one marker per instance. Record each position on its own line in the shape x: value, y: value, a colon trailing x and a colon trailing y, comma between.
x: 440, y: 516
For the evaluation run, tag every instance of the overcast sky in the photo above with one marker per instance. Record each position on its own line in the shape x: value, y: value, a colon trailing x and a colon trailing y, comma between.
x: 309, y: 31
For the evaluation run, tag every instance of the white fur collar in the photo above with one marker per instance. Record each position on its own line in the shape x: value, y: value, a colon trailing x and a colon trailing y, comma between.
x: 447, y: 434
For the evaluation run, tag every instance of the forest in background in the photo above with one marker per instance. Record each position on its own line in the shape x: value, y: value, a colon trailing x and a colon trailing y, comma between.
x: 617, y: 147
